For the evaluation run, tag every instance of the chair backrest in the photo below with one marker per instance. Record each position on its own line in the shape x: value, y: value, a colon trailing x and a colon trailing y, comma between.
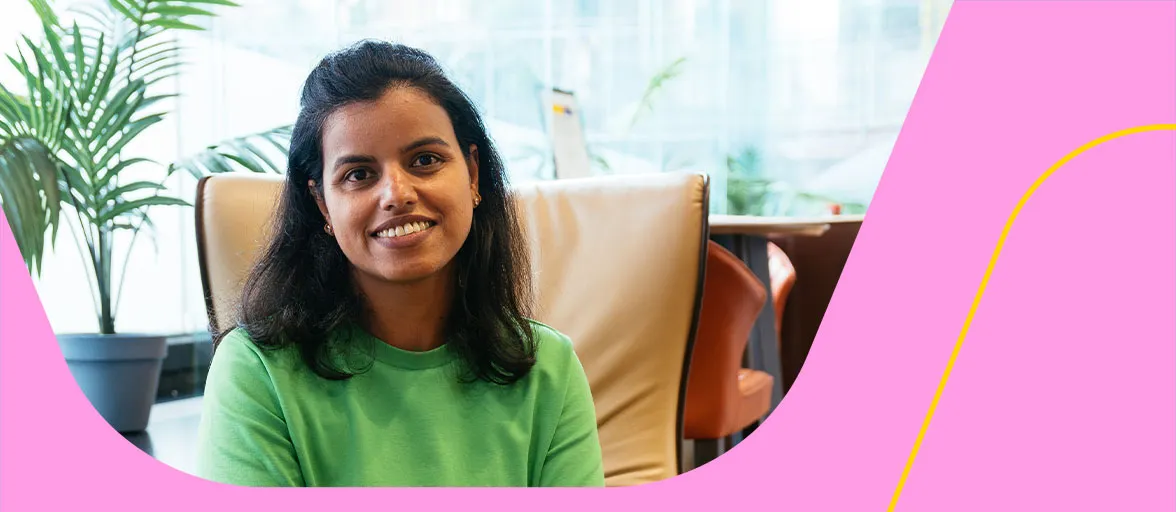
x: 732, y: 300
x: 782, y: 276
x: 618, y: 265
x: 233, y: 215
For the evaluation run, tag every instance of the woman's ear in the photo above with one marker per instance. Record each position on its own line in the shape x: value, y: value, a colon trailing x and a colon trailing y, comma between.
x: 472, y: 163
x: 318, y: 200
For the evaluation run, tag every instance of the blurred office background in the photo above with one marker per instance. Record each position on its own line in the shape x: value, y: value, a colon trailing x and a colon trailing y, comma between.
x: 792, y: 106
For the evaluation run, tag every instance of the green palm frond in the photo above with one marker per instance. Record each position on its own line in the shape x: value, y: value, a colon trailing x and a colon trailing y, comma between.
x: 153, y: 57
x: 45, y: 12
x: 260, y: 152
x: 30, y: 196
x: 167, y: 14
x: 654, y: 87
x: 31, y: 127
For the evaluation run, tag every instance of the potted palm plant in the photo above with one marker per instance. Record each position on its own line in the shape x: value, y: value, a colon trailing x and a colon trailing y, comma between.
x: 89, y: 91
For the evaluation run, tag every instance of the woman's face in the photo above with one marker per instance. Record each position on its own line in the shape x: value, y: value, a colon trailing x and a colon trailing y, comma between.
x: 397, y: 191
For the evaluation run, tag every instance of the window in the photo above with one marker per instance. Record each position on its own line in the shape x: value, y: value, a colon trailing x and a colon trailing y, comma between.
x: 806, y: 95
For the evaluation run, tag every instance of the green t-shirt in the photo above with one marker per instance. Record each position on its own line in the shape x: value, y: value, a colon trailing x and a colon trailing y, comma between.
x: 409, y: 420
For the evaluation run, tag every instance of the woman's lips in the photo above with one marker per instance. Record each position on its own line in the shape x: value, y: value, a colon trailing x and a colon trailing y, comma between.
x: 385, y: 238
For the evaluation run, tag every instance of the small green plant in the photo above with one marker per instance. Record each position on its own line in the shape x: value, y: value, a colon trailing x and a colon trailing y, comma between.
x: 747, y: 189
x: 749, y: 192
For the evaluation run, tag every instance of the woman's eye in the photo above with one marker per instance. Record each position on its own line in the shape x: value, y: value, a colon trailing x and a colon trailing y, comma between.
x: 426, y: 160
x: 359, y: 174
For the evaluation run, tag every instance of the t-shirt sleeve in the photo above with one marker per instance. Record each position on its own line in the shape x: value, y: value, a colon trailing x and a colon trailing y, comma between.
x: 574, y: 457
x: 243, y: 438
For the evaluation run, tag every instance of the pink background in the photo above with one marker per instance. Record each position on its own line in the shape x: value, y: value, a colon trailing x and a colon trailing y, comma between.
x: 1064, y: 396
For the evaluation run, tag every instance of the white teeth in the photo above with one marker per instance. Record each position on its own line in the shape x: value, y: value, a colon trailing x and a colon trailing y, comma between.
x: 407, y: 229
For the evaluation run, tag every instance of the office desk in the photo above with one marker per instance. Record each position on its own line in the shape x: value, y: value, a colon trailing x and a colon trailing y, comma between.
x: 747, y: 238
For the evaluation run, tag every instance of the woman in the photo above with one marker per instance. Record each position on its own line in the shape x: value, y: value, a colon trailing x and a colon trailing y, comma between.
x: 383, y: 336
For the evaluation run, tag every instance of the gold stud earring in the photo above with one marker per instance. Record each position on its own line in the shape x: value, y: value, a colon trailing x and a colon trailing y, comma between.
x: 329, y: 229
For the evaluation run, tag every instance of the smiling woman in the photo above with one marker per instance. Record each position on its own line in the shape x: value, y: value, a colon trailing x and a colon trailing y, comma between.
x: 396, y: 162
x: 384, y: 337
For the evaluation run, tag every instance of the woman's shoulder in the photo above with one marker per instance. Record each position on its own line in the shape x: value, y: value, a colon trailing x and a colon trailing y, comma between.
x: 554, y: 350
x: 236, y: 342
x: 558, y: 372
x: 549, y: 339
x: 239, y: 361
x: 239, y: 348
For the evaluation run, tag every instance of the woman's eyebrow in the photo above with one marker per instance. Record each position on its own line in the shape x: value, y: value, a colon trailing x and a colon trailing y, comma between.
x: 424, y: 141
x: 353, y: 159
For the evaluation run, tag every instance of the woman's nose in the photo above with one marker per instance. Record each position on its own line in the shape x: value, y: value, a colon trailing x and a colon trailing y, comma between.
x: 397, y: 190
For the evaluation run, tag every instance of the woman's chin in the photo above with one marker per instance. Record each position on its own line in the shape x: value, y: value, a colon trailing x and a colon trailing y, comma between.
x: 407, y: 274
x: 403, y: 270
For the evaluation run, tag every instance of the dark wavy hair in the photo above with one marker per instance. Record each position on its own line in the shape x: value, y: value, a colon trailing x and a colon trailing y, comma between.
x: 301, y: 294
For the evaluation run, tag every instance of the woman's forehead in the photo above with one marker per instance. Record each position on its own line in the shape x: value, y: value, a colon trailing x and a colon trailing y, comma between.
x: 401, y: 115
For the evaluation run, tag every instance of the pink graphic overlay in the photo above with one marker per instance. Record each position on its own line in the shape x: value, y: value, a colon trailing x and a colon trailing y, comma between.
x: 1063, y: 396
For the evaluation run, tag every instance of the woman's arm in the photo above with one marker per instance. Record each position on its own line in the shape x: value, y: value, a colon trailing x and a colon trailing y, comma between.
x: 574, y: 458
x: 243, y: 439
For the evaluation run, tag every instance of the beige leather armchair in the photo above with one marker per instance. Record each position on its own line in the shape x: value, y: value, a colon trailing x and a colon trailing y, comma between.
x: 618, y: 265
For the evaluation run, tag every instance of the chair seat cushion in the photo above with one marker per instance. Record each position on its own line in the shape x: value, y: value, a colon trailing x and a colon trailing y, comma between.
x: 755, y: 390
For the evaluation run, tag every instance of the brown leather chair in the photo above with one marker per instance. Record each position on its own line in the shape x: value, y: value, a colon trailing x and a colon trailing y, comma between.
x: 782, y: 276
x: 722, y: 397
x: 618, y: 266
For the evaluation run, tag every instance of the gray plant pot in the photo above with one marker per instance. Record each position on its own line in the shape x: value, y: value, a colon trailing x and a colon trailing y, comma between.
x: 119, y: 374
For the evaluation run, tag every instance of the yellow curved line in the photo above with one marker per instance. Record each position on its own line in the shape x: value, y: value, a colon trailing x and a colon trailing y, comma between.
x: 984, y: 284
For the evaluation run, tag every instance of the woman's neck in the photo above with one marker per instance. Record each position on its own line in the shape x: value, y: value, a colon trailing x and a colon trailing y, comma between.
x: 409, y: 316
